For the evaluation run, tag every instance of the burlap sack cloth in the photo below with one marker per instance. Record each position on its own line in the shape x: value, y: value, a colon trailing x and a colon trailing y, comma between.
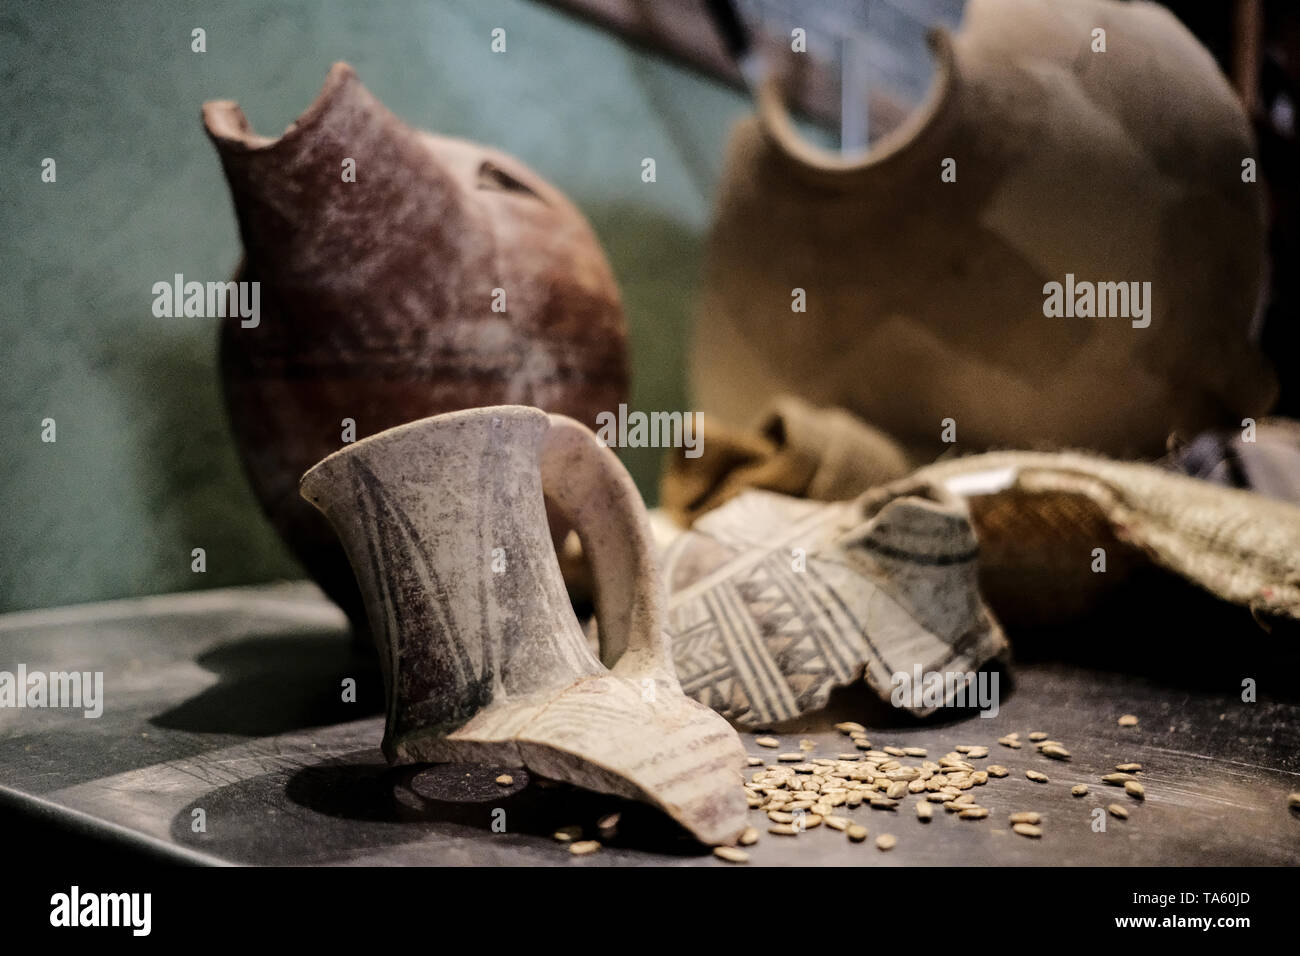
x: 1038, y: 516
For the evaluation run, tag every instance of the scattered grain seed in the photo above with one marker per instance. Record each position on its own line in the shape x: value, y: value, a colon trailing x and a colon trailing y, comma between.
x: 1009, y: 742
x: 1038, y: 735
x: 883, y: 803
x: 505, y: 780
x: 838, y: 823
x: 847, y: 756
x: 807, y: 745
x: 749, y: 837
x: 731, y: 854
x: 1293, y: 800
x: 1128, y: 720
x: 568, y: 834
x: 754, y: 761
x: 1079, y: 789
x: 885, y: 841
x: 857, y: 832
x: 1035, y: 776
x: 973, y: 813
x: 783, y: 829
x: 1117, y: 779
x: 1055, y: 752
x: 1025, y: 816
x: 1027, y: 829
x: 791, y: 758
x: 1129, y: 767
x: 849, y: 727
x: 1135, y: 790
x: 997, y: 770
x: 1117, y: 811
x: 914, y: 751
x: 768, y: 742
x: 584, y: 847
x: 896, y: 751
x: 924, y: 812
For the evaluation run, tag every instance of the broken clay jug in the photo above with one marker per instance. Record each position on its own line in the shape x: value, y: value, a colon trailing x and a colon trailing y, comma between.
x: 445, y: 524
x: 402, y: 275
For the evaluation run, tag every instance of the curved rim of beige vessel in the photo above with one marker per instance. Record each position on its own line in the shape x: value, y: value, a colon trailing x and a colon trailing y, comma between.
x: 533, y: 694
x: 811, y: 159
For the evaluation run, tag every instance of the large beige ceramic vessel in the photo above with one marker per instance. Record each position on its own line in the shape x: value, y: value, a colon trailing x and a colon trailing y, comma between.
x: 444, y: 523
x: 925, y: 297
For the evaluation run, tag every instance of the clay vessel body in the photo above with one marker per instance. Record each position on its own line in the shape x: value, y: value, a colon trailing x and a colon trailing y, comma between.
x: 445, y: 523
x: 1087, y: 277
x: 446, y: 276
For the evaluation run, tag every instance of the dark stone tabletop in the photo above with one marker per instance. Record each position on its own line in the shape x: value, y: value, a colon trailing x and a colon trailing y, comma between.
x: 230, y: 702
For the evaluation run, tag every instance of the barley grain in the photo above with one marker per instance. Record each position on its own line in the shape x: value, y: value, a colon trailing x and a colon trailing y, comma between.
x: 857, y: 832
x: 1035, y: 776
x: 584, y: 847
x: 1027, y: 829
x: 1128, y: 720
x: 1135, y: 790
x: 1117, y: 811
x: 730, y: 854
x: 885, y: 841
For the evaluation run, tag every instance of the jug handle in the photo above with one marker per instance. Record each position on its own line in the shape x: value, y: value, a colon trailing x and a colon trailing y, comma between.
x: 590, y: 488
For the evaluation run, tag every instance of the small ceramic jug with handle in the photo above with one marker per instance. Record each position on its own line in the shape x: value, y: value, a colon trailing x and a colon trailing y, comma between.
x: 444, y: 522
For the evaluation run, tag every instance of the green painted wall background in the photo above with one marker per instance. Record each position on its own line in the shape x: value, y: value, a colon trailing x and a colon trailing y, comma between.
x: 143, y: 469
